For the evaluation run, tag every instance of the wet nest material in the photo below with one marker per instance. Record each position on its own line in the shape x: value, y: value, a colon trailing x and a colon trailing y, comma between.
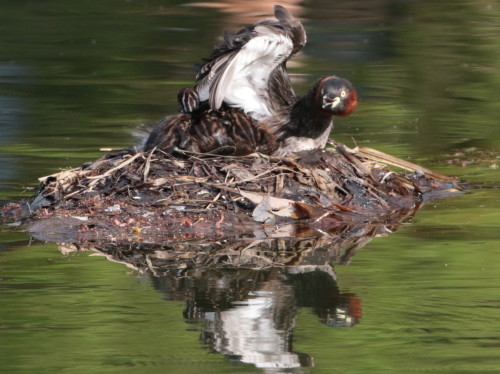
x: 295, y: 247
x: 153, y: 196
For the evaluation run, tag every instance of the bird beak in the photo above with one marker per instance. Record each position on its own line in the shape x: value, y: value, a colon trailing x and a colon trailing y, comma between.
x: 330, y: 103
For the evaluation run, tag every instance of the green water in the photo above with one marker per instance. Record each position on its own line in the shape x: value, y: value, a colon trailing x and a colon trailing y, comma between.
x: 78, y: 76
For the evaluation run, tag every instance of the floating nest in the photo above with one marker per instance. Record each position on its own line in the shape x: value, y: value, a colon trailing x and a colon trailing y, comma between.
x: 153, y: 197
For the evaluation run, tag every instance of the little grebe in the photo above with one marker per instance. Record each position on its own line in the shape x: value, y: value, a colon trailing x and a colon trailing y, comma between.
x: 245, y: 102
x: 303, y: 125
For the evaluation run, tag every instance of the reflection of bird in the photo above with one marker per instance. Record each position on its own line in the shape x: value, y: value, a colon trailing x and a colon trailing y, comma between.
x: 244, y: 99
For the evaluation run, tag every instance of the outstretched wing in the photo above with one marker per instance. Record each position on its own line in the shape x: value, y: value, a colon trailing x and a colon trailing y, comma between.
x: 241, y: 68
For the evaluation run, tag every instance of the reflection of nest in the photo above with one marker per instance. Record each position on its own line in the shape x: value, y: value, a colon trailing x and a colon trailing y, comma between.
x: 306, y: 252
x: 152, y: 196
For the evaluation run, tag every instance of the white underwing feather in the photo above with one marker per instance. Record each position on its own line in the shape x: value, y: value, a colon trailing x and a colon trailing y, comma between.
x: 241, y: 78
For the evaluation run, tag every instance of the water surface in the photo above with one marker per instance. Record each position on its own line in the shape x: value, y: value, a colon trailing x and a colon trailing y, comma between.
x: 80, y: 76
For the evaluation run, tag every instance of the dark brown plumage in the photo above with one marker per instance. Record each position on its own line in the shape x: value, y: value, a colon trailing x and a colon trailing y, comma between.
x: 188, y: 100
x: 227, y: 131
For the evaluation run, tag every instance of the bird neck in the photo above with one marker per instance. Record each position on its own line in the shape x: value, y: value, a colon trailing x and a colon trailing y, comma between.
x: 306, y: 119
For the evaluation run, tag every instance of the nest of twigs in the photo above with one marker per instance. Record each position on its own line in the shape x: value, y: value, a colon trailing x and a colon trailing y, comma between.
x: 153, y: 196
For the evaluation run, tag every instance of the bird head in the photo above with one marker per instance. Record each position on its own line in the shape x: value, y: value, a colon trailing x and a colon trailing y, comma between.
x: 336, y: 96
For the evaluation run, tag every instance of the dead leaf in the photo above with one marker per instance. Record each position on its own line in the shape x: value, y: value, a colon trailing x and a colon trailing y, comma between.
x: 275, y: 203
x: 289, y: 212
x: 343, y: 208
x: 262, y: 212
x: 309, y: 211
